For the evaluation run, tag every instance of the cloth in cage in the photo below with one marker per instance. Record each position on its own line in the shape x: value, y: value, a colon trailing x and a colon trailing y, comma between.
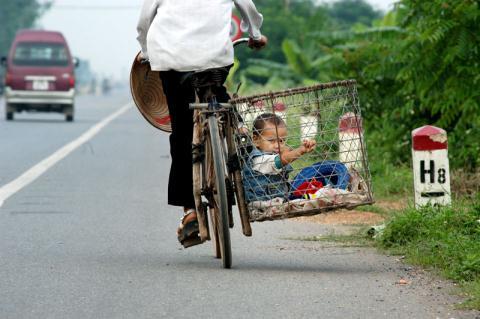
x: 333, y: 173
x: 265, y: 184
x: 308, y: 187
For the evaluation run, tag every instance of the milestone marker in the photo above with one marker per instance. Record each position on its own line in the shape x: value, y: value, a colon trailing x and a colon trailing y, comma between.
x: 431, y: 172
x: 308, y: 127
x: 350, y: 133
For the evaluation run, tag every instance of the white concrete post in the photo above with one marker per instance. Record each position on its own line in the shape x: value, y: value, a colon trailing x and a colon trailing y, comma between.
x: 431, y: 172
x: 308, y: 127
x: 350, y: 132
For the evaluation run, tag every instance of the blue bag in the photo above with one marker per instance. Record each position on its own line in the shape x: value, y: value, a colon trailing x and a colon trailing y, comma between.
x: 332, y: 173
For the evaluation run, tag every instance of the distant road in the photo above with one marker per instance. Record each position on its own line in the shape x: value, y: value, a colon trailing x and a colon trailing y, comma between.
x: 92, y: 237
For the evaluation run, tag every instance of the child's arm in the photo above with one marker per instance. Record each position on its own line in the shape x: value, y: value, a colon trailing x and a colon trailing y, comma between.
x: 289, y: 155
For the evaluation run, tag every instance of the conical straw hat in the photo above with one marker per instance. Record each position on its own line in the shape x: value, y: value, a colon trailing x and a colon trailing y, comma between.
x: 147, y: 92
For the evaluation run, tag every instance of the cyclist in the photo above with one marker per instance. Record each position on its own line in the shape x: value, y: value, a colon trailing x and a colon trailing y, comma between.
x: 178, y: 37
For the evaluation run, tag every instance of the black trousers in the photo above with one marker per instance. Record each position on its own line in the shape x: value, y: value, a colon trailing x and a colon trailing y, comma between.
x: 180, y: 183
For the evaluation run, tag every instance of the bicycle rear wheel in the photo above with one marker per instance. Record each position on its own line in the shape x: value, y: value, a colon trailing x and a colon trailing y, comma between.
x: 220, y: 193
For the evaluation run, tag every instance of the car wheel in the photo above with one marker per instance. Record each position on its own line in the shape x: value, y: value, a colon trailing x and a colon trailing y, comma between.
x: 68, y: 111
x: 9, y: 112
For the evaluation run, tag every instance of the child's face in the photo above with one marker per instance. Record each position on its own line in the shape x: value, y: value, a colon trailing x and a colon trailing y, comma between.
x: 269, y: 141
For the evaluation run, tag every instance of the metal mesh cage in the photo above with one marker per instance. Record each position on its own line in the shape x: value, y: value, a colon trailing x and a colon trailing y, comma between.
x: 302, y: 151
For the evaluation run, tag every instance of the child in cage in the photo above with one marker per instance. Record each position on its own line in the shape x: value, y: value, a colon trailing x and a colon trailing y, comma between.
x: 265, y: 173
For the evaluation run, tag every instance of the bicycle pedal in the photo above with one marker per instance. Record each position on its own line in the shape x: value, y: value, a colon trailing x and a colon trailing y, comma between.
x: 189, y: 242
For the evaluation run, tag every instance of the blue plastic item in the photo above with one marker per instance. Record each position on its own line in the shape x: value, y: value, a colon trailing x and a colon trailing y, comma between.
x: 332, y: 173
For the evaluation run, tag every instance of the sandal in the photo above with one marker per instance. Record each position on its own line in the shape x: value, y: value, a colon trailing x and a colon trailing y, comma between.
x: 187, y: 233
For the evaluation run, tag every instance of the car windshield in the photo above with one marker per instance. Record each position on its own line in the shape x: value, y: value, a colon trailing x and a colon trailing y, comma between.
x: 40, y: 54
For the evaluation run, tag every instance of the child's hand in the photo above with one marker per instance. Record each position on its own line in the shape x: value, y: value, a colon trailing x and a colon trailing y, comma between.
x: 308, y: 146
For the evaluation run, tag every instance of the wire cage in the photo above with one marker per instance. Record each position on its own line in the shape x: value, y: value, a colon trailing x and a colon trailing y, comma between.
x: 302, y: 151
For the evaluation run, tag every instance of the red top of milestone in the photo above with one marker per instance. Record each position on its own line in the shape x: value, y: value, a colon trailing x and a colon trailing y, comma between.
x: 350, y: 123
x: 429, y: 138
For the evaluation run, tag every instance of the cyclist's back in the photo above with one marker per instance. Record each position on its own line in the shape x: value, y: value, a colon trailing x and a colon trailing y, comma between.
x: 192, y: 35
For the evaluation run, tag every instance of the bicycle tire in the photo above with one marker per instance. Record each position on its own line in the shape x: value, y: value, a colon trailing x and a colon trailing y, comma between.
x: 216, y: 242
x: 220, y: 197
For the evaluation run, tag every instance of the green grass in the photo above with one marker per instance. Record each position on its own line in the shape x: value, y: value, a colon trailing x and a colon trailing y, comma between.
x: 446, y: 240
x: 472, y: 290
x: 390, y: 182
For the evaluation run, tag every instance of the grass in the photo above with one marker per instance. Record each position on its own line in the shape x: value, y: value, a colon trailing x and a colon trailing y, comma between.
x: 446, y: 240
x: 472, y: 290
x: 392, y: 182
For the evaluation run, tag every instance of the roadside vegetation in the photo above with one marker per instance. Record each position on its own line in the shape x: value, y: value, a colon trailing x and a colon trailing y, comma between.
x: 18, y: 14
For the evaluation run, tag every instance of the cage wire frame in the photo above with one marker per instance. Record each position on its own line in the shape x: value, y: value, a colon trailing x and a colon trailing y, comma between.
x: 334, y: 175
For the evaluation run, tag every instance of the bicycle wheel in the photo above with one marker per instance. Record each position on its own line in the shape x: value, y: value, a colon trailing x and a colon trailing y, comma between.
x: 216, y: 243
x: 220, y: 193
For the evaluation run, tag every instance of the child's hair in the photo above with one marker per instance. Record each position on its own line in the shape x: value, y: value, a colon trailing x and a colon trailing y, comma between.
x: 261, y: 120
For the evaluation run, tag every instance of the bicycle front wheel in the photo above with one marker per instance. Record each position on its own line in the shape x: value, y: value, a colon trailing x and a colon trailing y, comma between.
x: 220, y: 193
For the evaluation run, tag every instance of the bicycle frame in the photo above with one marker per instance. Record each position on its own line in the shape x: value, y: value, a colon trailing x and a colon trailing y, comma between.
x: 207, y: 110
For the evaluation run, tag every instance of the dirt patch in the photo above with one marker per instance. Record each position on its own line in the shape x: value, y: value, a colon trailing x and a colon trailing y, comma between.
x: 356, y: 217
x: 345, y: 217
x: 391, y: 205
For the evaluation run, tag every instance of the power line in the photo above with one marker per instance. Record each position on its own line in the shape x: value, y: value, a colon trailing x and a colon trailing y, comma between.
x: 93, y: 7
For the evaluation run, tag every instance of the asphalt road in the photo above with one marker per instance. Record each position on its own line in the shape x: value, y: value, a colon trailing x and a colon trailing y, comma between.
x: 92, y: 237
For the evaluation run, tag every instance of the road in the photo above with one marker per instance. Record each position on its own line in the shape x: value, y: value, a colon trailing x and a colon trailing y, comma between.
x: 92, y: 237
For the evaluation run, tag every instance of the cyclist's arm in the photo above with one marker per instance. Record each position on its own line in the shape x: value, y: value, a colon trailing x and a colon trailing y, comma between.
x: 251, y: 18
x: 149, y: 9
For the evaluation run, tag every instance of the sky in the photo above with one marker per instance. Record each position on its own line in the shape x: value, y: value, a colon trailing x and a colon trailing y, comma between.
x: 104, y: 31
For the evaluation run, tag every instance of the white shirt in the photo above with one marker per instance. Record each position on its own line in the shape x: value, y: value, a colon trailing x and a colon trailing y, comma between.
x: 265, y: 164
x: 192, y: 35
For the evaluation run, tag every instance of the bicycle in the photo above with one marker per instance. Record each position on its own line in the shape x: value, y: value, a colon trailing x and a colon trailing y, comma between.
x: 329, y: 113
x: 213, y: 147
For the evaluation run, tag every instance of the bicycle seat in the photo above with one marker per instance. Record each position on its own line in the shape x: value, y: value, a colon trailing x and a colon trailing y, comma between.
x: 205, y: 78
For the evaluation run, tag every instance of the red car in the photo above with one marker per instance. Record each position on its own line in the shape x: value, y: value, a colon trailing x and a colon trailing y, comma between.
x: 39, y: 74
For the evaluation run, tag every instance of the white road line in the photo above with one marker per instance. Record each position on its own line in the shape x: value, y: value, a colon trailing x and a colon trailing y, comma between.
x: 36, y: 171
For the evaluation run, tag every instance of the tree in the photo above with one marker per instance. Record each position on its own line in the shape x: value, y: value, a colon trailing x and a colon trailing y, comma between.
x: 15, y: 15
x: 350, y: 12
x: 440, y: 70
x: 426, y: 72
x: 292, y: 19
